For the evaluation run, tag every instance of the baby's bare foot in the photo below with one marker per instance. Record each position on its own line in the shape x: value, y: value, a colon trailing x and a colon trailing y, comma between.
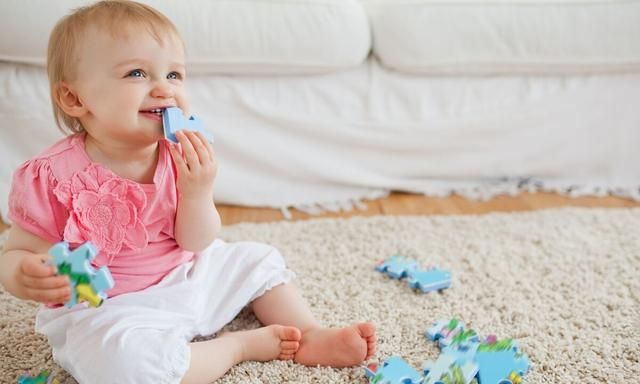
x: 267, y: 343
x: 337, y: 347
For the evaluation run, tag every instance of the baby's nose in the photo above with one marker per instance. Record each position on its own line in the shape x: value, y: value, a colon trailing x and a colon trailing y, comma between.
x: 162, y: 90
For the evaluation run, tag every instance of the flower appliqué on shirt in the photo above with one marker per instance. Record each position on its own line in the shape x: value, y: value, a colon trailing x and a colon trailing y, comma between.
x: 104, y: 209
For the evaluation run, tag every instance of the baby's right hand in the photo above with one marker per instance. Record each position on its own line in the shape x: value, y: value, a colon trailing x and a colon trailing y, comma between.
x: 38, y: 281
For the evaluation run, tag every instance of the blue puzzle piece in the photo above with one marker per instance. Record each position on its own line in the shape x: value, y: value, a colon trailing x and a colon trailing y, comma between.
x: 462, y: 353
x: 430, y: 280
x: 498, y: 361
x: 445, y: 370
x: 443, y: 331
x: 173, y: 120
x: 397, y: 266
x: 492, y: 344
x: 80, y: 258
x: 87, y: 283
x: 42, y: 378
x: 497, y: 367
x: 394, y: 370
x: 102, y: 280
x: 462, y: 340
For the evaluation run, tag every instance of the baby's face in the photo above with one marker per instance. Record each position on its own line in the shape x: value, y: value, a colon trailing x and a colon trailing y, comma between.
x: 124, y: 81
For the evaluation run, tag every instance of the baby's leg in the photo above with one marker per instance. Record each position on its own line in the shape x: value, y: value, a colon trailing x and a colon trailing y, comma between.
x: 336, y: 347
x: 213, y: 358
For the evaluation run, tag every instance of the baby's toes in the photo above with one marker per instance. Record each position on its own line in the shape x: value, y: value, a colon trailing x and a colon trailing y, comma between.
x: 290, y: 334
x: 371, y: 350
x: 288, y: 350
x: 289, y: 346
x: 371, y: 346
x: 366, y: 330
x: 286, y: 356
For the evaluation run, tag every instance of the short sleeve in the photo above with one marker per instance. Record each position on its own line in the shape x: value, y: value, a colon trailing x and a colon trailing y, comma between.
x: 32, y: 203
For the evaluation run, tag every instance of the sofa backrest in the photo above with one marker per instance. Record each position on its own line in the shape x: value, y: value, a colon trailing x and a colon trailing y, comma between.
x: 221, y: 36
x: 506, y: 36
x: 423, y: 37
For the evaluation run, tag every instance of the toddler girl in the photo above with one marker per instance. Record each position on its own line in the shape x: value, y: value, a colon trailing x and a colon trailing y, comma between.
x: 146, y: 204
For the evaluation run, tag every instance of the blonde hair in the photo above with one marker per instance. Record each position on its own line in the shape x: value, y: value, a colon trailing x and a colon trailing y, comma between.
x: 112, y: 16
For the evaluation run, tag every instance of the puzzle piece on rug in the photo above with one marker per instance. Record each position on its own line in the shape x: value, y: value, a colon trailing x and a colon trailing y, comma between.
x: 42, y: 378
x: 461, y: 352
x: 496, y: 367
x: 498, y: 361
x: 444, y: 331
x: 446, y: 370
x: 397, y: 267
x: 492, y: 344
x: 430, y: 280
x: 393, y: 370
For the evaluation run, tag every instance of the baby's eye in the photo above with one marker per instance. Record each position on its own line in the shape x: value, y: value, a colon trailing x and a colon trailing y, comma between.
x: 136, y: 73
x: 174, y: 76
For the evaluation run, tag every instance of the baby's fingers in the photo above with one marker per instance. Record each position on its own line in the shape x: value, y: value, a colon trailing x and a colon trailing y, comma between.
x: 181, y: 165
x: 55, y: 296
x: 53, y: 282
x: 206, y: 143
x: 37, y: 267
x: 189, y: 151
x: 202, y: 146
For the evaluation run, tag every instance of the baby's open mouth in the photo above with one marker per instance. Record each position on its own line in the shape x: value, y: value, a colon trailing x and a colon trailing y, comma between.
x: 157, y: 111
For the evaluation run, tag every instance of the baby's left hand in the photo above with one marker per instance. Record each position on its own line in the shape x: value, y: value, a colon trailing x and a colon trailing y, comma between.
x: 197, y: 166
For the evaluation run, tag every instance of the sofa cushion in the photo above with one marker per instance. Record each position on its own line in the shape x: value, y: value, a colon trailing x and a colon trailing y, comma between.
x: 222, y: 36
x: 506, y: 36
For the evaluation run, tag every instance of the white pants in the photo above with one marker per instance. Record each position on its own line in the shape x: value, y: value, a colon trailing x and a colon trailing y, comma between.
x: 143, y: 337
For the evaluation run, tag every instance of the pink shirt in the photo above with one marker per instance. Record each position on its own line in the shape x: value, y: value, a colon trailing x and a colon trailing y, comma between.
x: 62, y: 195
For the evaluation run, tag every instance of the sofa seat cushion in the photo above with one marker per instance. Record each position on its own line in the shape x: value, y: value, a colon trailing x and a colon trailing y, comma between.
x: 298, y: 140
x: 222, y: 36
x: 506, y: 36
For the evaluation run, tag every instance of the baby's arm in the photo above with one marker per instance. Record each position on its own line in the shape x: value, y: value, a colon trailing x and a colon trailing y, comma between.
x: 197, y: 219
x: 24, y: 272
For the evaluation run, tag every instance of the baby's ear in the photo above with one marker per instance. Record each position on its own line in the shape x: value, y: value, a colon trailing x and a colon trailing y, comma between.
x: 66, y: 97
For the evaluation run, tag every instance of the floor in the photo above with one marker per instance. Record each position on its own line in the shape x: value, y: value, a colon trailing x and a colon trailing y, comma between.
x: 409, y: 204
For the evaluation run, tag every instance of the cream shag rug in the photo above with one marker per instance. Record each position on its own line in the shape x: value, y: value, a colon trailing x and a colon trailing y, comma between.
x: 564, y: 283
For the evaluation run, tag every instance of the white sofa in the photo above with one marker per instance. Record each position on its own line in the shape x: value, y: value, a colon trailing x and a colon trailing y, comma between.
x: 321, y: 103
